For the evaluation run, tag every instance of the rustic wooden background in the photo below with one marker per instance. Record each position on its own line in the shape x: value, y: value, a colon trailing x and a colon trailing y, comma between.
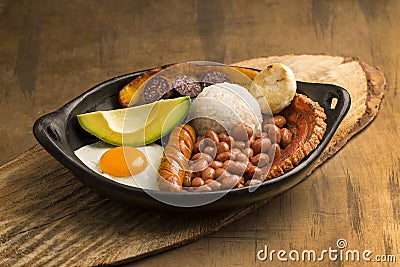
x: 51, y: 51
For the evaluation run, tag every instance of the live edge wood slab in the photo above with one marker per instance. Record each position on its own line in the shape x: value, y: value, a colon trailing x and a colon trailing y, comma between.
x: 48, y: 217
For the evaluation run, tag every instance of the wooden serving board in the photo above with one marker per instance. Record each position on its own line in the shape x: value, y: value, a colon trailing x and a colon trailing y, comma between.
x: 49, y: 217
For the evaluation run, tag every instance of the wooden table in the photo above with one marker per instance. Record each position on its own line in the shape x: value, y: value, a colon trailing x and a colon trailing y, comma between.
x: 51, y: 51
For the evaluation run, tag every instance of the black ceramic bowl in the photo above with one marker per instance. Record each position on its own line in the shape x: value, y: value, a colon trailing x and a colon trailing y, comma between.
x: 60, y: 134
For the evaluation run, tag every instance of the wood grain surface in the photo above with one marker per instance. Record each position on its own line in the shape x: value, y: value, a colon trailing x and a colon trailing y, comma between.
x: 59, y: 212
x: 48, y: 218
x: 51, y: 51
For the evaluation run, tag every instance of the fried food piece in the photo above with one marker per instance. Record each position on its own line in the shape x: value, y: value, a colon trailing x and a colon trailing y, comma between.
x: 307, y: 120
x: 274, y: 88
x: 251, y: 73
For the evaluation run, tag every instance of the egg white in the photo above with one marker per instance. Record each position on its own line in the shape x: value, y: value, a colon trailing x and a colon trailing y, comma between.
x: 147, y: 179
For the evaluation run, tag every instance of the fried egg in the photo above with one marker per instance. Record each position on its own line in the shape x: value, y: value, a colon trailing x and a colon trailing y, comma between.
x: 126, y: 165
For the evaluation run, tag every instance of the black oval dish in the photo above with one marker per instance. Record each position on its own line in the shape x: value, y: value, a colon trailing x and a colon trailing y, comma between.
x: 60, y: 134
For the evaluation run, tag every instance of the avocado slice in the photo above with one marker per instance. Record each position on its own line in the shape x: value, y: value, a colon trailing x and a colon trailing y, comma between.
x: 136, y: 126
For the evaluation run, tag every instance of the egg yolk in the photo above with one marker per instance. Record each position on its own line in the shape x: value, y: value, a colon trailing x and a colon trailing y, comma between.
x: 123, y: 161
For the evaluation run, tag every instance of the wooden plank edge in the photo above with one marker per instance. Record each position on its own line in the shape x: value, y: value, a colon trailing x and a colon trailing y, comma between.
x: 376, y: 84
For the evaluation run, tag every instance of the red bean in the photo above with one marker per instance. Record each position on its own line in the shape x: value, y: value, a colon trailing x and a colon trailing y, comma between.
x: 249, y: 131
x: 208, y: 173
x: 261, y: 135
x: 210, y: 150
x: 214, y: 185
x: 236, y: 167
x: 199, y: 165
x: 248, y: 151
x: 274, y: 151
x: 230, y: 141
x: 206, y: 142
x: 252, y: 182
x: 286, y: 137
x: 240, y: 182
x: 196, y: 182
x: 224, y: 156
x: 261, y: 145
x: 226, y: 163
x: 273, y: 132
x: 222, y: 147
x: 219, y: 172
x: 239, y: 133
x: 229, y: 181
x: 216, y: 164
x: 260, y: 160
x: 279, y: 121
x: 197, y: 144
x: 239, y: 144
x: 196, y: 157
x: 241, y: 157
x: 212, y: 135
x: 254, y: 172
x: 235, y: 151
x: 222, y: 137
x: 187, y: 181
x: 203, y: 188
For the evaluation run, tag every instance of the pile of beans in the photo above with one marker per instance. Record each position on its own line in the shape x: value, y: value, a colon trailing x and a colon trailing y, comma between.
x: 220, y: 161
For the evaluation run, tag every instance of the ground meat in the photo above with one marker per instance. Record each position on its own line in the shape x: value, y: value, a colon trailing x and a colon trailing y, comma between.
x: 186, y: 85
x: 155, y: 88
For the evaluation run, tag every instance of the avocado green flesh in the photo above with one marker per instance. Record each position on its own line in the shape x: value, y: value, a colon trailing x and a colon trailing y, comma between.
x: 136, y: 126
